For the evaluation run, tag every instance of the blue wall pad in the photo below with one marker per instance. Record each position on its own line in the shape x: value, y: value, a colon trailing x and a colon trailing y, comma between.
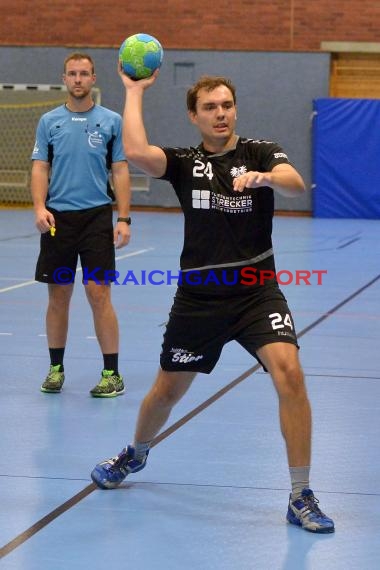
x: 346, y: 165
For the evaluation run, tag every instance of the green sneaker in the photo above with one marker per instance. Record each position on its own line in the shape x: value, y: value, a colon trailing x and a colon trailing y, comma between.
x: 110, y: 385
x: 54, y: 380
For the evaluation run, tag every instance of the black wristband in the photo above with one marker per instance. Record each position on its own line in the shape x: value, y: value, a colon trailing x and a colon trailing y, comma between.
x: 126, y: 220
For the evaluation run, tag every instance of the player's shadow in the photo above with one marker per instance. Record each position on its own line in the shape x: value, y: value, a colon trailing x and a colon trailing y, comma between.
x: 300, y: 545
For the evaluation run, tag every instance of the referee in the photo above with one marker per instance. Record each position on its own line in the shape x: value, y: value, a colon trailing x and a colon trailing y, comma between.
x: 78, y: 147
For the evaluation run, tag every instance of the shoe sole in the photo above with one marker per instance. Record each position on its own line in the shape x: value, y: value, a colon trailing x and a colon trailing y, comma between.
x: 313, y: 530
x: 50, y: 391
x: 111, y: 395
x: 105, y: 487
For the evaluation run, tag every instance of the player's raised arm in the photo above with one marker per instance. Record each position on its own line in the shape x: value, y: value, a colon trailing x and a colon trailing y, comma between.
x: 149, y: 158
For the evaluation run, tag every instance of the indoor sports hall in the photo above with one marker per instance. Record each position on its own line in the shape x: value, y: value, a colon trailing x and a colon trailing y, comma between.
x: 214, y: 492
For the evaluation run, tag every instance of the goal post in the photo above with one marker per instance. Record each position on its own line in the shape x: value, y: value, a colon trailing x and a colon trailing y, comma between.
x: 21, y: 106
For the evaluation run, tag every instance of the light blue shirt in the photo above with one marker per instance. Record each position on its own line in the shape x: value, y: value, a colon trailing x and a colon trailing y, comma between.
x: 80, y: 148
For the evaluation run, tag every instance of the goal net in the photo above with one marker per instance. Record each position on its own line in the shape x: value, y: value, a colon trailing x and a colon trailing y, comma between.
x: 21, y: 107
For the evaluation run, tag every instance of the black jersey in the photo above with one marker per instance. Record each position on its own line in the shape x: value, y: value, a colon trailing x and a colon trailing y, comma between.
x: 224, y: 229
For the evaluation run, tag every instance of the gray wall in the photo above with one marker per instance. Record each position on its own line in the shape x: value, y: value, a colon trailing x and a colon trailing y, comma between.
x: 275, y: 91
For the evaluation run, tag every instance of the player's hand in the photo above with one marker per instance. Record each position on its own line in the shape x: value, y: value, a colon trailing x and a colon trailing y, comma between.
x: 121, y: 235
x: 251, y: 179
x: 130, y: 83
x: 44, y: 220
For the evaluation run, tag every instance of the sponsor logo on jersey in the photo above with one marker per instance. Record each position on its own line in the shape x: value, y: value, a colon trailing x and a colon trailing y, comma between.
x: 201, y: 199
x: 208, y: 200
x: 231, y: 204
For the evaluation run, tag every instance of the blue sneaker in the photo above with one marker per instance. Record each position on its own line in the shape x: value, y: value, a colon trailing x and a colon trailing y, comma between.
x: 304, y: 512
x: 110, y: 473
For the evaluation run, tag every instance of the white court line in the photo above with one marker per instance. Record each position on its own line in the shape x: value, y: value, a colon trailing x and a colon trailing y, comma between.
x: 17, y: 286
x: 138, y: 252
x: 134, y: 253
x: 13, y: 278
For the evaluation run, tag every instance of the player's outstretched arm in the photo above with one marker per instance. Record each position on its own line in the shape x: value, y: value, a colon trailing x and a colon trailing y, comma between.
x: 148, y: 158
x: 283, y: 178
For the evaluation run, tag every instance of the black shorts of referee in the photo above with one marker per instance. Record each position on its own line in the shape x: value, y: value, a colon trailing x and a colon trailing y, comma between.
x: 84, y: 234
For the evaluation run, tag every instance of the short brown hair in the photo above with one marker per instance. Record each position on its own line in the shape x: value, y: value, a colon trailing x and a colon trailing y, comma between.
x: 77, y: 56
x: 207, y: 82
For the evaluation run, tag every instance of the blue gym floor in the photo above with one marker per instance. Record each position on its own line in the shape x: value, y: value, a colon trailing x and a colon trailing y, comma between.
x: 215, y: 490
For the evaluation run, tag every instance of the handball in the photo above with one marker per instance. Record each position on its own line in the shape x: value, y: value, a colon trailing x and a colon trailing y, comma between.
x: 140, y: 55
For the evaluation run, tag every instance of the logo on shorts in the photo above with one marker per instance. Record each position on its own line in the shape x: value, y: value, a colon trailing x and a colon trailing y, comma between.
x: 183, y: 356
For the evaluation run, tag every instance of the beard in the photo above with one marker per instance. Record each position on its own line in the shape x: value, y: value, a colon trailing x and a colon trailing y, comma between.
x: 76, y: 94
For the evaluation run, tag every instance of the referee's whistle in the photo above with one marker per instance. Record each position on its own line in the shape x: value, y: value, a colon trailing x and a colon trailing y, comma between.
x: 52, y: 231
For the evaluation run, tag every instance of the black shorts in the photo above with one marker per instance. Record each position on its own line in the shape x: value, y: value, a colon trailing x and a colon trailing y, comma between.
x: 87, y: 234
x: 199, y: 327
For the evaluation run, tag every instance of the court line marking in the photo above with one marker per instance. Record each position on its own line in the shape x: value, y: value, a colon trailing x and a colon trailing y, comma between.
x: 14, y: 278
x: 79, y: 269
x: 347, y: 243
x: 198, y: 485
x: 55, y: 513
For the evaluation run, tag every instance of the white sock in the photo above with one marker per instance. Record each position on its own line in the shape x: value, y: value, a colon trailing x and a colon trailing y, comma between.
x: 299, y: 477
x: 141, y: 449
